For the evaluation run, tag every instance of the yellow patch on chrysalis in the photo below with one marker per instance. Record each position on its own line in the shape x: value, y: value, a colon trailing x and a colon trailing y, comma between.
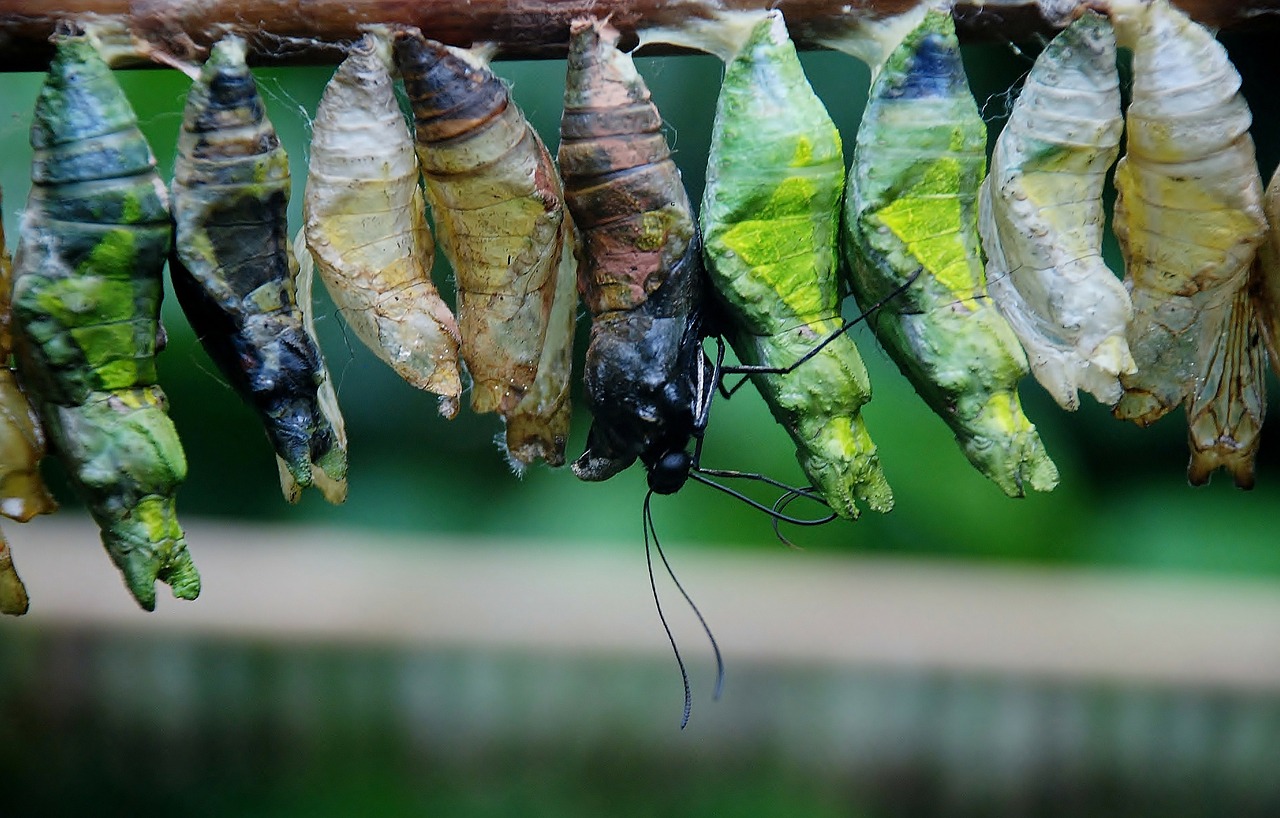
x: 771, y: 244
x: 136, y: 398
x: 1003, y: 410
x: 927, y: 218
x: 804, y: 153
x: 654, y: 226
x: 1222, y: 231
x: 154, y: 514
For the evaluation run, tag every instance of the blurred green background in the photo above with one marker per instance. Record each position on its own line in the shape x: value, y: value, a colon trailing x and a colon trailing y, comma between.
x: 238, y: 728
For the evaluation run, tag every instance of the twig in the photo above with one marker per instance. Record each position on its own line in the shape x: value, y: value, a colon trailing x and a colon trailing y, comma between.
x: 308, y: 31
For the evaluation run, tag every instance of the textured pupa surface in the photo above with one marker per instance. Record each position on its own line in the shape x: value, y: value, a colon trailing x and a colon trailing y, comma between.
x: 911, y: 208
x: 1266, y: 281
x: 1041, y: 218
x: 770, y: 217
x: 1226, y: 408
x: 235, y: 274
x: 22, y: 492
x: 1226, y: 412
x: 640, y: 269
x: 22, y: 445
x: 1189, y: 212
x: 86, y: 307
x: 500, y: 220
x: 13, y: 594
x: 365, y: 224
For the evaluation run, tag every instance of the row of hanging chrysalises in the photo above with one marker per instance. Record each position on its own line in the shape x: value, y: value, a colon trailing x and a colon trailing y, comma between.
x: 760, y: 266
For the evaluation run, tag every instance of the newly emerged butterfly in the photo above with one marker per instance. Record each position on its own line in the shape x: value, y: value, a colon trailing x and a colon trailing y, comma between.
x: 911, y: 210
x: 22, y: 491
x: 647, y: 378
x: 86, y: 307
x: 500, y: 219
x: 1189, y: 211
x: 648, y: 381
x: 366, y: 225
x: 1041, y: 217
x: 235, y: 272
x: 770, y: 217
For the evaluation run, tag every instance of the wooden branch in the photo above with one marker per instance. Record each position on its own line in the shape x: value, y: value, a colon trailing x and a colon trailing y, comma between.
x: 311, y: 31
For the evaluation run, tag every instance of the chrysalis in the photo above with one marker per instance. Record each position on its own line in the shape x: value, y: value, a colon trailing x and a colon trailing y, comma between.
x: 366, y: 225
x: 1225, y: 414
x: 1226, y: 409
x: 1041, y: 218
x: 22, y: 492
x: 235, y: 273
x: 1189, y: 213
x: 911, y: 209
x: 770, y: 214
x: 1266, y: 280
x: 13, y: 594
x: 500, y: 219
x: 641, y: 267
x: 86, y: 307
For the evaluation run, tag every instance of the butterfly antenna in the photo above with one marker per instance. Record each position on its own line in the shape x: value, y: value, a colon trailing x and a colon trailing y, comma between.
x: 808, y: 492
x: 775, y: 514
x: 780, y: 506
x: 732, y: 390
x: 715, y: 647
x: 866, y: 315
x: 647, y: 522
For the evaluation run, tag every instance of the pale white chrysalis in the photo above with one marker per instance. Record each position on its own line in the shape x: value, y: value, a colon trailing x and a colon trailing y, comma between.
x: 1041, y: 218
x: 366, y: 225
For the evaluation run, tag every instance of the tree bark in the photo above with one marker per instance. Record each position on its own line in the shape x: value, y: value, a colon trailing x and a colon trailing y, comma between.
x: 312, y: 31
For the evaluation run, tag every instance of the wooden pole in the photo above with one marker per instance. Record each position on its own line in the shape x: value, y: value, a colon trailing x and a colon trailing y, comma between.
x: 310, y: 31
x: 280, y: 585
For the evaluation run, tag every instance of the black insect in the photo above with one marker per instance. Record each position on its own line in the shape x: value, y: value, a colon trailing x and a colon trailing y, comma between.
x: 649, y: 382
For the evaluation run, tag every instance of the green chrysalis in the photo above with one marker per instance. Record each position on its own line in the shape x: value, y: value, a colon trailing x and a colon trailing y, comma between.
x: 86, y: 307
x: 911, y: 209
x: 770, y: 214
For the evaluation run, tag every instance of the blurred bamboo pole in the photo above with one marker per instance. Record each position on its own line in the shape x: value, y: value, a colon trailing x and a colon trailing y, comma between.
x: 276, y: 584
x: 308, y: 31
